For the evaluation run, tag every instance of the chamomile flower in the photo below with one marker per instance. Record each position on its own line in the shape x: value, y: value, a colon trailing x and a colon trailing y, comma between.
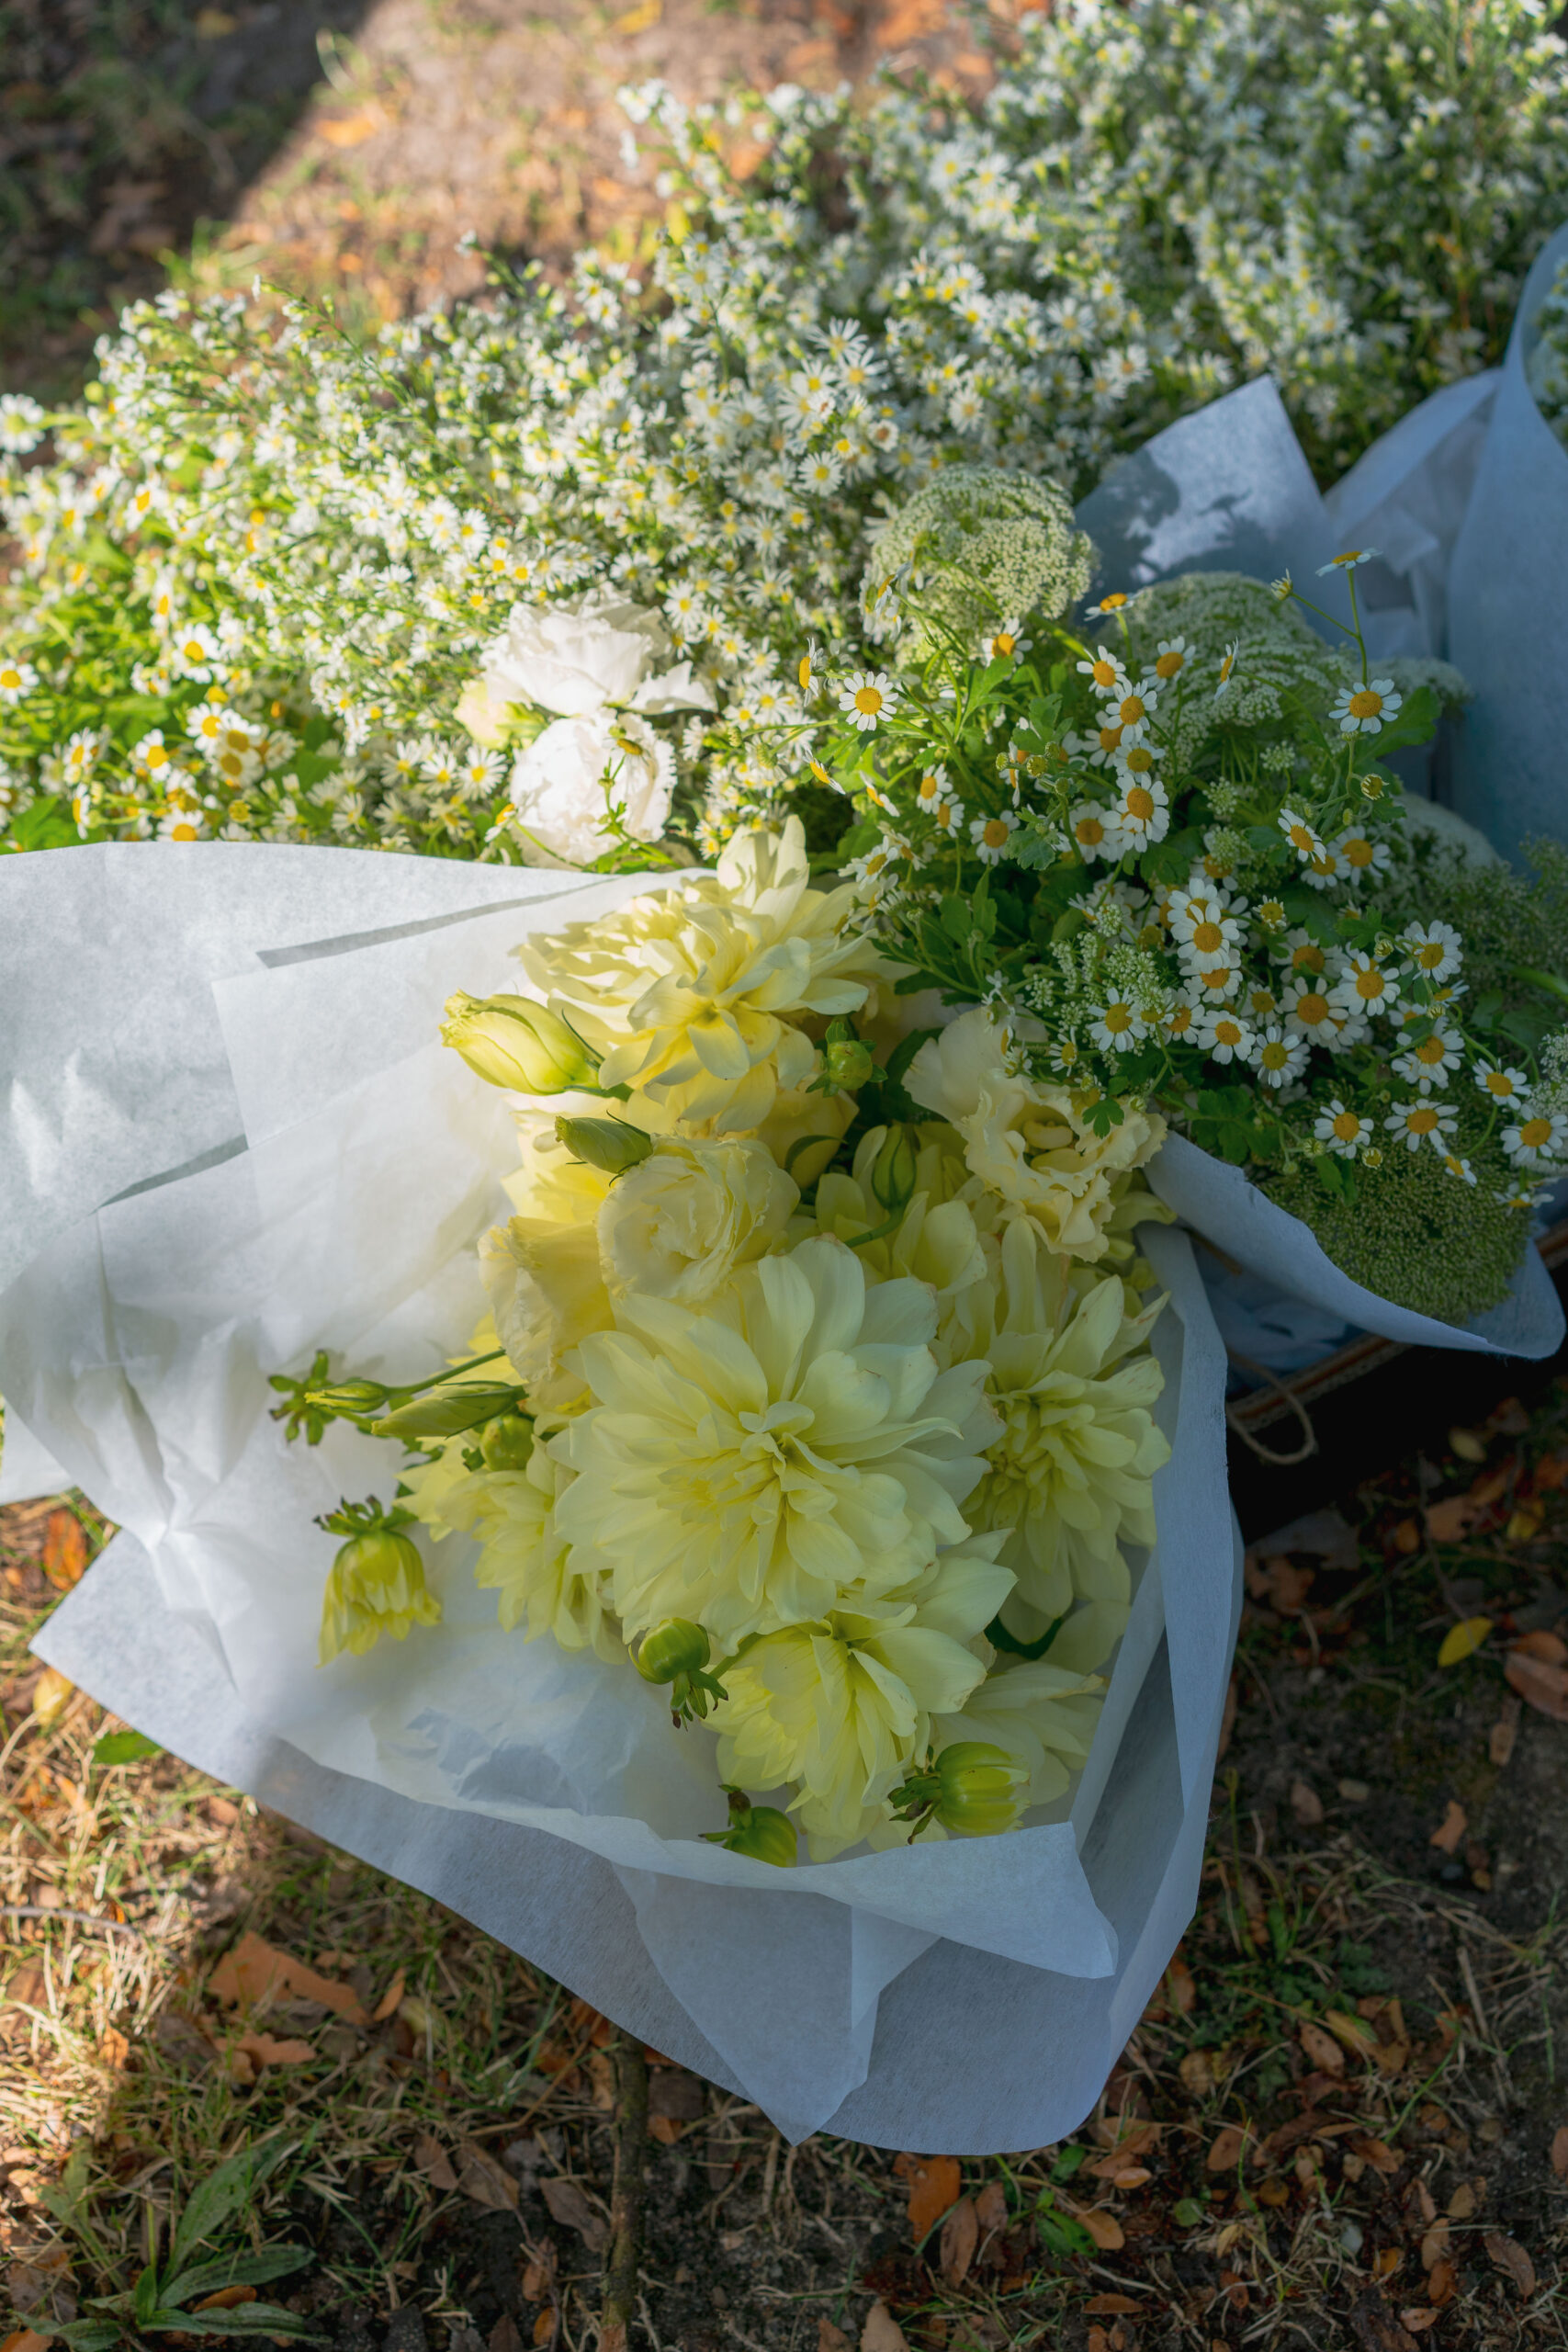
x: 1303, y: 953
x: 1363, y: 857
x: 1538, y: 1138
x: 1131, y: 709
x: 1227, y: 667
x: 1271, y: 914
x: 1435, y: 949
x: 1351, y: 560
x: 1216, y: 983
x: 17, y: 680
x: 1224, y: 1035
x: 931, y: 790
x: 1366, y: 710
x: 1422, y: 1122
x: 1459, y: 1167
x: 1304, y: 839
x: 1171, y: 658
x: 948, y: 817
x: 1310, y: 1014
x: 1140, y: 813
x: 1429, y: 1064
x: 1206, y: 934
x: 1105, y: 673
x: 1344, y: 1131
x: 1007, y: 643
x: 1116, y: 602
x: 867, y: 697
x: 1366, y: 986
x: 1090, y: 827
x: 479, y: 774
x: 808, y: 669
x: 193, y: 650
x: 1280, y: 1055
x: 1322, y: 872
x: 151, y: 756
x: 1502, y: 1084
x: 992, y: 837
x: 1117, y: 1027
x: 1181, y: 1021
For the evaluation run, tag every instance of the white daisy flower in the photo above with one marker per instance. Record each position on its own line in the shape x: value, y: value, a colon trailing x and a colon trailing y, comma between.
x: 1301, y: 837
x: 1429, y: 1064
x: 1141, y: 812
x: 1105, y: 673
x: 1171, y: 658
x: 1224, y: 1035
x: 1090, y: 827
x: 1344, y: 1132
x: 1280, y: 1055
x: 866, y: 698
x: 16, y: 679
x: 1503, y: 1085
x: 1227, y: 666
x: 1322, y: 872
x: 1303, y: 953
x: 1310, y: 1014
x: 1131, y: 709
x: 931, y: 790
x: 1352, y: 559
x: 1366, y: 710
x: 1422, y: 1122
x: 1434, y: 948
x: 1459, y: 1167
x: 1364, y: 856
x: 1538, y: 1137
x: 1365, y: 986
x: 1118, y: 1026
x: 1008, y: 643
x: 992, y: 837
x: 948, y: 817
x: 1181, y: 1021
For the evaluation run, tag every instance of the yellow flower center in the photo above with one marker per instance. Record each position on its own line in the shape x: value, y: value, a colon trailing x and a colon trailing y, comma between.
x: 1358, y: 852
x: 1207, y: 937
x: 10, y: 679
x: 1346, y: 1126
x: 1140, y: 803
x: 1218, y: 981
x: 1312, y: 1008
x: 1182, y: 1020
x: 1118, y: 1017
x: 1365, y: 705
x: 1131, y: 709
x: 1326, y: 865
x: 1226, y: 1033
x: 1429, y: 954
x: 1114, y: 603
x: 1002, y: 643
x: 1302, y: 841
x: 1535, y: 1133
x: 1110, y: 739
x: 1104, y: 674
x: 1351, y: 555
x: 1499, y: 1083
x: 1422, y: 1121
x: 182, y: 833
x: 1308, y: 958
x: 1371, y: 984
x: 1432, y: 1052
x: 1263, y: 1001
x: 996, y: 833
x: 156, y: 756
x: 1168, y: 664
x: 869, y: 700
x: 1089, y: 831
x: 930, y: 788
x: 1275, y: 1056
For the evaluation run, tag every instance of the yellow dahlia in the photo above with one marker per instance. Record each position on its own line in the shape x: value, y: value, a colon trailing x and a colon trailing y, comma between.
x: 693, y: 998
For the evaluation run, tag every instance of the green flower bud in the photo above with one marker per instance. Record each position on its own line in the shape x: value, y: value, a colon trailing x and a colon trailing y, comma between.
x: 609, y: 1145
x: 350, y: 1397
x: 678, y: 1654
x: 760, y: 1830
x: 377, y: 1586
x: 511, y: 1041
x: 508, y: 1442
x: 847, y: 1060
x: 894, y: 1170
x: 970, y: 1789
x: 444, y: 1412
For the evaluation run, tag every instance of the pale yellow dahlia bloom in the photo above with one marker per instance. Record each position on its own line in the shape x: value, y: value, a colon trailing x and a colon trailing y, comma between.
x: 679, y: 1224
x: 1069, y: 1478
x: 1032, y: 1142
x: 842, y: 1709
x: 1040, y: 1713
x: 792, y: 1450
x: 521, y: 1554
x: 694, y: 997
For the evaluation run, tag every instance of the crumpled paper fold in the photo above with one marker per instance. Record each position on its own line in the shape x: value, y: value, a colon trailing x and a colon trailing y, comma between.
x: 966, y: 1995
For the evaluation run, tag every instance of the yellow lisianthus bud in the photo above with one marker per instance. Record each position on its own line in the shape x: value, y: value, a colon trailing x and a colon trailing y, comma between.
x: 893, y: 1171
x: 377, y: 1587
x: 511, y: 1041
x: 610, y: 1145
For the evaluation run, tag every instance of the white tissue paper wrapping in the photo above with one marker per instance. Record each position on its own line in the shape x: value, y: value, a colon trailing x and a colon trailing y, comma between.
x: 969, y: 1995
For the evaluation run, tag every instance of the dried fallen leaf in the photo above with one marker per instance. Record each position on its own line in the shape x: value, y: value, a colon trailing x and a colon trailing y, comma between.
x: 1450, y: 1522
x: 1538, y: 1684
x: 960, y: 2237
x: 114, y: 2049
x: 1104, y: 2229
x: 672, y: 2092
x: 1525, y: 1522
x: 25, y: 2339
x: 1539, y: 1643
x: 991, y: 2208
x: 1552, y: 1472
x: 882, y: 2331
x: 65, y: 1549
x: 1407, y: 1536
x: 1442, y: 2280
x: 1305, y: 1803
x: 569, y: 2205
x: 1226, y: 2148
x: 1462, y: 2204
x: 934, y: 2185
x: 51, y: 1695
x: 387, y: 2005
x: 1180, y: 1987
x: 1463, y: 1640
x: 1559, y: 2151
x: 504, y: 2336
x: 485, y: 2181
x: 1434, y: 2242
x: 1321, y: 2049
x: 254, y: 1969
x: 1509, y: 2256
x: 1198, y: 2073
x: 227, y: 2298
x: 263, y: 2050
x: 1469, y: 1445
x: 544, y: 2326
x: 1504, y: 1735
x: 1376, y: 2152
x: 349, y: 130
x: 1355, y: 2033
x: 1376, y: 2328
x: 1105, y: 2305
x: 1417, y: 2317
x: 1450, y: 1829
x: 433, y: 2161
x: 830, y: 2338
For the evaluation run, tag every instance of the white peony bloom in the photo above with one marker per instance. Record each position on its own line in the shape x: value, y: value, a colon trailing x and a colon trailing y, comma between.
x: 575, y: 656
x: 567, y: 782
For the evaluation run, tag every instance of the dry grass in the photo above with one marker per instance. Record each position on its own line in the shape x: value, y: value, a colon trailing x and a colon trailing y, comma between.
x: 1335, y: 2125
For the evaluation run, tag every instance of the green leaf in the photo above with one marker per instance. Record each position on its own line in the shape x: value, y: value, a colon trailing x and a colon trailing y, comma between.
x: 1071, y: 2160
x: 144, y: 2295
x: 235, y: 2270
x: 957, y: 916
x: 224, y: 2192
x: 1188, y: 2213
x: 1416, y: 722
x: 87, y: 2335
x: 124, y: 1747
x: 904, y: 1053
x: 246, y: 2319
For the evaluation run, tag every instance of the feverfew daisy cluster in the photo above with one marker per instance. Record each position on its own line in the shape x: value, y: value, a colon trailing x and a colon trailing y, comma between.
x: 1161, y: 841
x: 1152, y: 203
x: 1546, y: 363
x: 801, y: 1395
